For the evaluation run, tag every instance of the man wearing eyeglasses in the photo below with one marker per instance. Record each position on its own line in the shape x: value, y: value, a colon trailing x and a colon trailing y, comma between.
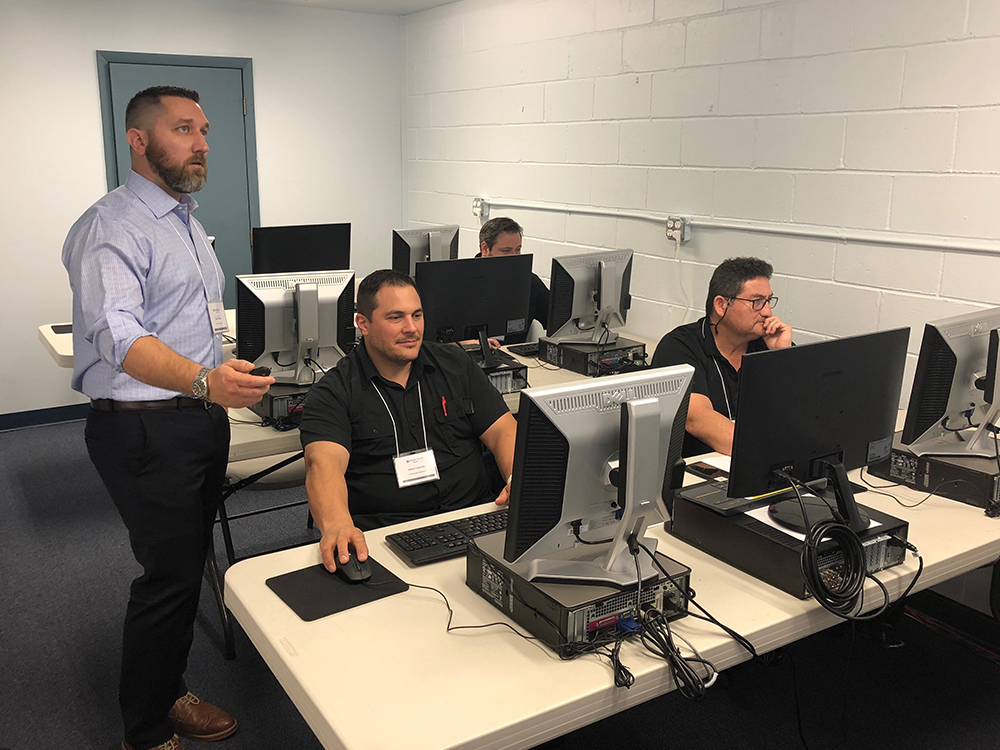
x: 738, y: 320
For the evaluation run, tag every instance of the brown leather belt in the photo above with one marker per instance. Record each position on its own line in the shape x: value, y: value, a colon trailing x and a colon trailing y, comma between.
x: 178, y: 402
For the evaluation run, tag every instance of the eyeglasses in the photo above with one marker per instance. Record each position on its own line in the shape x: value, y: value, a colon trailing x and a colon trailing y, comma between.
x: 758, y: 303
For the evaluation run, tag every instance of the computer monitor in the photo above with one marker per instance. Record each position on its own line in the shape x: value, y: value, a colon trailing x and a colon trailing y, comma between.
x: 298, y: 324
x: 307, y: 247
x: 815, y: 412
x: 471, y: 296
x: 411, y: 246
x: 588, y: 294
x: 591, y: 463
x: 950, y: 404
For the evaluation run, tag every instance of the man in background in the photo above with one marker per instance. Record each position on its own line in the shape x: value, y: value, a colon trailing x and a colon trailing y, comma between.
x: 502, y: 236
x: 738, y: 320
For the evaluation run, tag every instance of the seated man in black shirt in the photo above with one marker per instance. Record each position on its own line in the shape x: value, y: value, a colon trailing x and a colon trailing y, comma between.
x: 502, y: 236
x: 395, y: 430
x: 738, y: 319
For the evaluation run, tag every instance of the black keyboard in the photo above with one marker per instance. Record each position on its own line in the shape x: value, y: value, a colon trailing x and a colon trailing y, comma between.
x: 524, y: 350
x: 441, y: 541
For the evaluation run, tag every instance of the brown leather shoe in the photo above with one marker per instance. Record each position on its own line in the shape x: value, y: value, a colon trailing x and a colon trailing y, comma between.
x: 172, y: 744
x: 191, y: 717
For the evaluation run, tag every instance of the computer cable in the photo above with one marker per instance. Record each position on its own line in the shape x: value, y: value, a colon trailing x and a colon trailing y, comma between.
x: 689, y: 597
x: 843, y: 699
x: 603, y: 645
x: 900, y: 603
x: 576, y: 532
x: 314, y: 365
x: 257, y: 422
x: 656, y: 636
x: 953, y: 634
x: 449, y: 628
x: 291, y: 420
x: 968, y: 418
x: 843, y: 596
x: 992, y: 506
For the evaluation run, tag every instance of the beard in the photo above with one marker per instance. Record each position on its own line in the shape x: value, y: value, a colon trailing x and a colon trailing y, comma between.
x: 388, y: 351
x: 177, y: 177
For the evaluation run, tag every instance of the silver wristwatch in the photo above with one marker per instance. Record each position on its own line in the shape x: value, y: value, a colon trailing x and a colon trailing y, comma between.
x: 199, y: 388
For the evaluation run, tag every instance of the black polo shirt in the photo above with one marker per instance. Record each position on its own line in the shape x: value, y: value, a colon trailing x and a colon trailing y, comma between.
x: 459, y: 405
x: 693, y: 344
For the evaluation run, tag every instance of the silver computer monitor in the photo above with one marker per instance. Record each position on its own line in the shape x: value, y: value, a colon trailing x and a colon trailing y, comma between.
x: 410, y: 246
x: 297, y: 324
x: 950, y: 404
x: 589, y: 296
x: 592, y: 462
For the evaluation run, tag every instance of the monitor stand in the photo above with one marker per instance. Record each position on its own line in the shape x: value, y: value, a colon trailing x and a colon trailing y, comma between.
x: 489, y: 359
x: 788, y: 513
x: 959, y: 442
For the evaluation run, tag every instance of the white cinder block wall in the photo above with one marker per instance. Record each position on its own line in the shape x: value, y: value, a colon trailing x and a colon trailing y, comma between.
x: 878, y: 117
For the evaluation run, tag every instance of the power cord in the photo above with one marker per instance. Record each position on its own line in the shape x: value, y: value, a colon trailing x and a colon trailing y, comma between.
x: 689, y: 597
x: 992, y: 504
x: 843, y: 594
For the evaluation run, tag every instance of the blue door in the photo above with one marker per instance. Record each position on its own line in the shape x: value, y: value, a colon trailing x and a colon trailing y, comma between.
x: 225, y: 206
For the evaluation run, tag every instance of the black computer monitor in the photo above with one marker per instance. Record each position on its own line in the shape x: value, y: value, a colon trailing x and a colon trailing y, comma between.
x: 815, y: 412
x: 297, y: 324
x: 951, y: 401
x: 468, y: 297
x: 307, y: 247
x: 588, y: 294
x: 412, y: 246
x: 591, y: 462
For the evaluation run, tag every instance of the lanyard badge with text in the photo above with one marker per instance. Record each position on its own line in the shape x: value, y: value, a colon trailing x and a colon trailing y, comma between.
x: 415, y: 467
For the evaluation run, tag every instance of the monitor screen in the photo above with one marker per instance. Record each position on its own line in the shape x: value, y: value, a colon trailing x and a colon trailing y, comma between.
x: 949, y: 400
x: 309, y: 247
x: 588, y: 295
x: 463, y: 298
x: 816, y: 411
x: 593, y: 461
x: 411, y: 246
x: 297, y: 324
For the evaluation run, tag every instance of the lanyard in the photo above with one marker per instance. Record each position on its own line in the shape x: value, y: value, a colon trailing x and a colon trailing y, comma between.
x: 423, y: 425
x: 194, y: 257
x: 725, y: 392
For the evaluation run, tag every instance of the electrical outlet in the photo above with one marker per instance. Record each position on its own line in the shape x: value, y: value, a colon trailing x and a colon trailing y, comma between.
x: 678, y: 229
x: 481, y: 208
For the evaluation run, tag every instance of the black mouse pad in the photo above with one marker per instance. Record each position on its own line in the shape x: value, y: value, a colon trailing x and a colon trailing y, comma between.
x: 314, y: 592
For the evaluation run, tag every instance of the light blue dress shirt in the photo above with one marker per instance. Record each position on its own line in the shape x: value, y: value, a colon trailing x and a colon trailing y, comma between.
x: 139, y: 265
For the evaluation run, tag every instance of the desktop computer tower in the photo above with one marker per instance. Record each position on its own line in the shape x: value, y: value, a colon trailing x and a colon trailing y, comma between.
x: 506, y: 374
x: 559, y: 613
x: 593, y: 359
x: 769, y: 553
x: 281, y: 401
x: 967, y: 479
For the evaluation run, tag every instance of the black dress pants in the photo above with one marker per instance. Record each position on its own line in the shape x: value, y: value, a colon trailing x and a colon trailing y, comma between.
x: 164, y: 470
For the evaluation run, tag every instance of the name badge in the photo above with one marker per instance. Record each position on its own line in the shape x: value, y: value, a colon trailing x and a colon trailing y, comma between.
x: 417, y: 467
x: 217, y: 312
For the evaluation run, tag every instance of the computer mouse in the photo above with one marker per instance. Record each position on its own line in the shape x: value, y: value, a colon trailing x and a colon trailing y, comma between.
x: 354, y: 571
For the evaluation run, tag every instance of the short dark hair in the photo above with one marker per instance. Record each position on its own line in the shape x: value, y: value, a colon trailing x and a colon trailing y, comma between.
x: 369, y: 288
x: 730, y: 276
x: 147, y: 101
x: 493, y: 228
